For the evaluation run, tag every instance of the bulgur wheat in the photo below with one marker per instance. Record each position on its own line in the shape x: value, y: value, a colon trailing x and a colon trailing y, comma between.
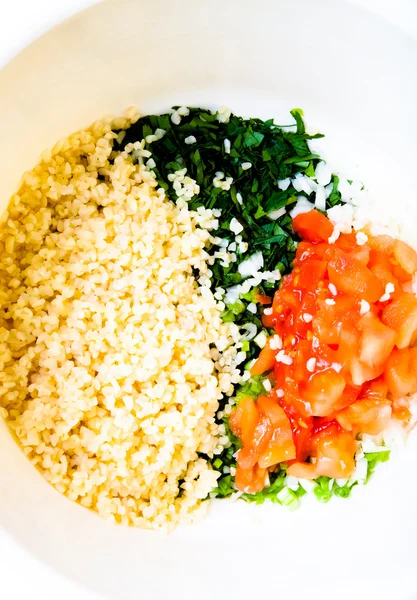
x: 112, y: 358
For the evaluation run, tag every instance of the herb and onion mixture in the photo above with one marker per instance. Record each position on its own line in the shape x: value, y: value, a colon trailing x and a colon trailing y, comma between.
x: 326, y: 310
x: 195, y: 306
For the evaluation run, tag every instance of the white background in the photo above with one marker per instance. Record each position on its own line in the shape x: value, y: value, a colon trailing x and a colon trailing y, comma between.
x: 21, y: 576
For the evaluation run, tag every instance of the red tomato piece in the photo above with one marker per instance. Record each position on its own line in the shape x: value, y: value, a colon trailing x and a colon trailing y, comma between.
x: 243, y: 420
x: 303, y: 354
x: 323, y: 427
x: 295, y: 405
x: 405, y: 256
x: 375, y: 390
x: 281, y: 446
x: 251, y: 480
x: 269, y: 321
x: 361, y: 254
x: 349, y: 396
x: 401, y: 257
x: 323, y: 391
x: 362, y: 373
x: 302, y: 470
x: 311, y: 272
x: 262, y: 299
x: 291, y: 298
x: 268, y: 406
x: 265, y: 361
x: 376, y: 341
x: 381, y: 266
x: 401, y: 315
x: 347, y: 242
x: 313, y: 227
x: 348, y: 356
x: 335, y: 456
x: 249, y: 455
x: 382, y: 243
x: 301, y: 435
x: 298, y: 413
x: 400, y: 373
x: 330, y: 318
x: 369, y: 416
x: 306, y: 251
x: 352, y: 277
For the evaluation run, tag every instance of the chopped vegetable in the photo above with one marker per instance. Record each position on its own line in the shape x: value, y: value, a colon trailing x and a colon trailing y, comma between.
x: 343, y: 373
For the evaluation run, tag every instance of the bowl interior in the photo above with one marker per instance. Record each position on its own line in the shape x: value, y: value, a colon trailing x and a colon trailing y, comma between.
x: 355, y: 77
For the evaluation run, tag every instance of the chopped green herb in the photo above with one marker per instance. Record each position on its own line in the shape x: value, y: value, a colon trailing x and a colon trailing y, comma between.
x: 373, y: 459
x: 323, y: 490
x: 343, y: 491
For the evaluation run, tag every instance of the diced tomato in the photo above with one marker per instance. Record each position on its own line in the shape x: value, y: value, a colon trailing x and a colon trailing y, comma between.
x: 400, y: 373
x: 294, y: 400
x: 375, y: 390
x: 243, y: 420
x: 399, y: 274
x: 401, y: 315
x: 304, y: 353
x: 323, y: 391
x: 361, y: 254
x: 291, y: 297
x: 335, y: 456
x: 268, y: 406
x: 307, y: 251
x: 348, y: 356
x: 302, y: 470
x: 311, y: 273
x: 347, y: 242
x: 381, y: 266
x: 362, y: 373
x: 279, y: 308
x: 382, y: 243
x: 346, y: 375
x: 302, y: 434
x: 331, y: 317
x: 402, y: 258
x: 376, y: 341
x: 323, y: 427
x: 352, y: 277
x: 366, y: 416
x: 262, y: 299
x: 281, y: 446
x: 298, y: 413
x: 343, y: 420
x: 251, y: 480
x: 269, y: 321
x: 405, y: 256
x: 313, y: 227
x: 265, y: 361
x: 349, y: 396
x: 249, y: 455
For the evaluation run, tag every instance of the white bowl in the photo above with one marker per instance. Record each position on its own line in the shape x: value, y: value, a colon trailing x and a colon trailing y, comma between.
x: 355, y: 77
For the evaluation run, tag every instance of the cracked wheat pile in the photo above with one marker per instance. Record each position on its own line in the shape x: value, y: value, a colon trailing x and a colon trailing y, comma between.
x: 112, y: 358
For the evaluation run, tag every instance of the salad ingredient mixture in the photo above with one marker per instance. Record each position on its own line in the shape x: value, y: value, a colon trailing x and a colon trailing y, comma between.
x: 181, y: 320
